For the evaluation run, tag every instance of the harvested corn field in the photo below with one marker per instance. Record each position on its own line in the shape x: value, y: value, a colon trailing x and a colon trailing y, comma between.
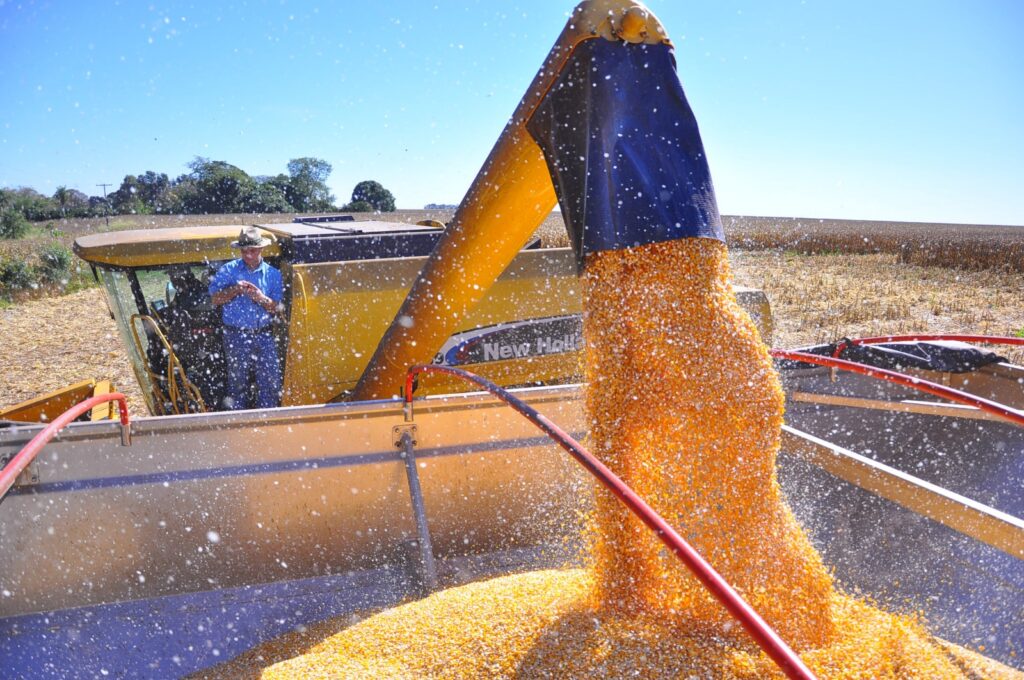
x: 959, y: 246
x: 54, y: 342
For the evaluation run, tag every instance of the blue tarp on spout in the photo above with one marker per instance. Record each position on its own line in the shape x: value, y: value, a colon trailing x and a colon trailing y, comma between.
x: 624, y: 151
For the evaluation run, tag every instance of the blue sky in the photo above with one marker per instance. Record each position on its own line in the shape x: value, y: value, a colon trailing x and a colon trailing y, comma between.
x: 898, y: 110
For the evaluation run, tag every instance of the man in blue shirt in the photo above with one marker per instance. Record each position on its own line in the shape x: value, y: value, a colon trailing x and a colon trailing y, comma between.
x: 250, y: 291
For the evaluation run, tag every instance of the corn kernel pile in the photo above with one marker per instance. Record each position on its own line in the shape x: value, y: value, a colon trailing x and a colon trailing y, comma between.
x: 550, y: 624
x: 685, y: 406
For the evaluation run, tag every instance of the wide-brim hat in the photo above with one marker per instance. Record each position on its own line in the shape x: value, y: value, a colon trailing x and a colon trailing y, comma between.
x: 251, y: 237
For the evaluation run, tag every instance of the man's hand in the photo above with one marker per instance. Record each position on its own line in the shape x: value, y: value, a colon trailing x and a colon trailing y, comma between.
x: 252, y: 291
x: 248, y: 289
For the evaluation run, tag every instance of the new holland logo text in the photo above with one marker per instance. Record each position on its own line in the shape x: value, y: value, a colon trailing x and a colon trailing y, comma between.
x: 493, y: 351
x: 532, y: 338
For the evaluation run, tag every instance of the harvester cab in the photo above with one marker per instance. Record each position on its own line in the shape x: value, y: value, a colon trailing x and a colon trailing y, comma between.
x: 343, y: 282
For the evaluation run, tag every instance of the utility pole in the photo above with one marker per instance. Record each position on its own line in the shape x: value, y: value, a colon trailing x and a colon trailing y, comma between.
x: 106, y: 213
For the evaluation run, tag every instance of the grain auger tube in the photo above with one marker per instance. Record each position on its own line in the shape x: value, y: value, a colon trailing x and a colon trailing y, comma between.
x: 654, y: 153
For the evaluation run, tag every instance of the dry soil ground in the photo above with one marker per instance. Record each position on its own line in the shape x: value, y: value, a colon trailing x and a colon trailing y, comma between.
x: 48, y: 343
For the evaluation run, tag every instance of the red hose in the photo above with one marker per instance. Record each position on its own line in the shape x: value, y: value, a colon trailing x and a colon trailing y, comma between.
x: 36, y: 444
x: 766, y: 638
x: 987, y: 339
x: 995, y: 408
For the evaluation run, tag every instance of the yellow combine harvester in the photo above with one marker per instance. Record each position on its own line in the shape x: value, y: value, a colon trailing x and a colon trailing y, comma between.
x: 344, y: 282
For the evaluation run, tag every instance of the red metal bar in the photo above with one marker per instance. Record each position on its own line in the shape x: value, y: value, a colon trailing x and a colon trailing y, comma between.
x: 36, y: 444
x: 985, y: 339
x: 765, y: 637
x: 995, y: 408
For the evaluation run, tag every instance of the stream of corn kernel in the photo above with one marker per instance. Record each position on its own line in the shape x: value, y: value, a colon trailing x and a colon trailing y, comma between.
x: 685, y: 406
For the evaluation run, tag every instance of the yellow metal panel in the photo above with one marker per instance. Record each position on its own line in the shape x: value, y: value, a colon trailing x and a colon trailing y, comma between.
x: 48, y: 406
x: 341, y: 309
x: 104, y: 411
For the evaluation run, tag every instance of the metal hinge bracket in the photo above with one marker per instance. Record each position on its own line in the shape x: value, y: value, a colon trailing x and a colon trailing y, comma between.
x: 398, y: 430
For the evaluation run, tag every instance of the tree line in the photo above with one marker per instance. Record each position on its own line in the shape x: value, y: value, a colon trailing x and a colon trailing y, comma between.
x: 210, y: 187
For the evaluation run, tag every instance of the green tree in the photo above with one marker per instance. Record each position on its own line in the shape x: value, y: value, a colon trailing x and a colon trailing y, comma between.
x: 307, y: 186
x: 280, y: 181
x: 359, y: 206
x: 127, y: 199
x: 267, y: 197
x: 62, y: 196
x: 76, y: 204
x: 376, y: 195
x: 153, y: 191
x: 219, y: 187
x: 143, y: 194
x: 12, y: 223
x: 182, y: 196
x: 98, y: 206
x: 32, y: 204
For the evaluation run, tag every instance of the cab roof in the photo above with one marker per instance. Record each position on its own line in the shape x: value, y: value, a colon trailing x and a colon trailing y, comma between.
x: 153, y: 247
x: 180, y: 245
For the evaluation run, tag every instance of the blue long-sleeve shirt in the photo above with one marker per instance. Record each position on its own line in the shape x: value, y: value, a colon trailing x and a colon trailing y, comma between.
x: 240, y: 311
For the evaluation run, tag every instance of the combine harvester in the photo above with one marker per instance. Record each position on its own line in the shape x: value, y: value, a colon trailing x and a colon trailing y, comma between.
x: 159, y: 546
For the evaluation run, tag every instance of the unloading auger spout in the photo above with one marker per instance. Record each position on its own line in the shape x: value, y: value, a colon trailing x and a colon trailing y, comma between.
x: 605, y: 128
